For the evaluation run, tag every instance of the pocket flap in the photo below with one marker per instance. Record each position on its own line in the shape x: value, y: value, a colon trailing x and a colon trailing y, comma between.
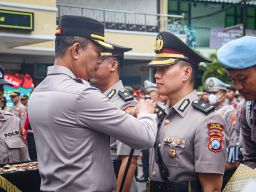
x: 15, y: 143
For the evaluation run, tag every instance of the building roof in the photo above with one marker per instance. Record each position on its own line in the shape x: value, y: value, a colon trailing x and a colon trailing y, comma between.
x: 249, y: 2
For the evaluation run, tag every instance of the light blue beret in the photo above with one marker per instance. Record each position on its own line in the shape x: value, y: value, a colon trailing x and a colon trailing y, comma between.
x: 239, y: 53
x: 214, y: 84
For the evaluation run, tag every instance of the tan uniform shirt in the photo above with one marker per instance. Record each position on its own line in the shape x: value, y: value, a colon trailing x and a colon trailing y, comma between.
x: 117, y: 147
x: 72, y: 122
x: 248, y: 129
x: 187, y: 142
x: 20, y: 112
x: 12, y: 147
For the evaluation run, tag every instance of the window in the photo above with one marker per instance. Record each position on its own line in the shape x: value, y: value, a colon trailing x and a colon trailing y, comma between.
x: 179, y: 7
x: 234, y: 15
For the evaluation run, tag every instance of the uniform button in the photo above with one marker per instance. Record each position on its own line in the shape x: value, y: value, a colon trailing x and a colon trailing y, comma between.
x: 172, y: 153
x: 178, y: 141
x: 167, y: 121
x: 167, y: 140
x: 159, y: 145
x: 153, y: 173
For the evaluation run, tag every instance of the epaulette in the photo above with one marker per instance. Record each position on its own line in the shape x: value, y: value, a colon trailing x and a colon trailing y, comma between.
x: 111, y: 93
x: 125, y: 95
x: 203, y: 106
x: 160, y: 112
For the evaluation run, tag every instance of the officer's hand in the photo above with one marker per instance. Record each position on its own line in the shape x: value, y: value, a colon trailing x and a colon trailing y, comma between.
x: 145, y: 106
x: 130, y: 109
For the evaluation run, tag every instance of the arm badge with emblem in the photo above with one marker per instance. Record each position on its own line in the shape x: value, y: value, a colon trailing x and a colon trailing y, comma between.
x: 215, y: 136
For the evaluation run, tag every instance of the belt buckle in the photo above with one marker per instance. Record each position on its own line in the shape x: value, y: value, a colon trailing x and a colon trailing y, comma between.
x: 148, y: 185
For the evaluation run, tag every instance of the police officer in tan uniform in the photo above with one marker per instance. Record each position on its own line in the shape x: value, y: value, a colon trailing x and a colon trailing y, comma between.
x: 239, y: 57
x: 106, y: 78
x: 18, y: 109
x: 190, y: 151
x: 217, y: 97
x: 12, y: 147
x: 24, y: 101
x: 72, y: 121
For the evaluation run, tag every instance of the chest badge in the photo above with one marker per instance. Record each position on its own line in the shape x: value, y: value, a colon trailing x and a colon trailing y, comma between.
x: 172, y: 153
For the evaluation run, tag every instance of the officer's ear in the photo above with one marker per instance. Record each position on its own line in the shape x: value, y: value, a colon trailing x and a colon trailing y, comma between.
x: 114, y: 65
x: 75, y: 50
x: 187, y: 73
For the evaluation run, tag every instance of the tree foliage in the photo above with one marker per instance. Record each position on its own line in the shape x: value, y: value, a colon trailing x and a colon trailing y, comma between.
x: 214, y: 69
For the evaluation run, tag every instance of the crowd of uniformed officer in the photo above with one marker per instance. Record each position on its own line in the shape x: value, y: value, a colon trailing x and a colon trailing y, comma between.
x: 195, y: 143
x: 12, y: 147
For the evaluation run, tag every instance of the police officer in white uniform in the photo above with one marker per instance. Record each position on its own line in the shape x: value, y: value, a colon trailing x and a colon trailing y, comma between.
x: 72, y: 120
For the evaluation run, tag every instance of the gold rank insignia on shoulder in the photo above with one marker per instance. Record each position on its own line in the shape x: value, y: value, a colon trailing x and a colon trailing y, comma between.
x: 125, y: 95
x: 184, y: 105
x: 159, y: 43
x: 111, y: 93
x: 203, y: 106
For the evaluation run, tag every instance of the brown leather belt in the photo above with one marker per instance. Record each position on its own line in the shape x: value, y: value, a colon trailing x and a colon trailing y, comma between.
x: 171, y: 186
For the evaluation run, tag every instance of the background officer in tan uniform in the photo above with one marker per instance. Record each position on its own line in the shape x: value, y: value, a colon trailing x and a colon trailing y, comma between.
x: 18, y: 109
x: 218, y: 90
x: 24, y: 101
x: 190, y: 151
x: 12, y: 147
x: 106, y: 78
x: 239, y: 57
x: 72, y: 121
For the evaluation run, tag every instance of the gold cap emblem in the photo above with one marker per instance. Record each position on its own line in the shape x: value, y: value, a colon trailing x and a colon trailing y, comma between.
x: 159, y: 43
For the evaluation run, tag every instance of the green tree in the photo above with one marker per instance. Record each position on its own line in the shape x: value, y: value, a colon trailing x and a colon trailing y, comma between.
x: 214, y: 69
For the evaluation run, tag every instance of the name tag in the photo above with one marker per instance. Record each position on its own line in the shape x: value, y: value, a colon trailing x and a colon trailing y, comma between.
x: 11, y: 134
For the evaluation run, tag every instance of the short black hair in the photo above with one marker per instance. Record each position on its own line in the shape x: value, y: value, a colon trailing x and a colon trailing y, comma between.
x: 62, y: 43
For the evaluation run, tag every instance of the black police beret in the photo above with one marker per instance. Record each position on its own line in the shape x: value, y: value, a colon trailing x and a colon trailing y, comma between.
x: 92, y: 29
x: 169, y: 49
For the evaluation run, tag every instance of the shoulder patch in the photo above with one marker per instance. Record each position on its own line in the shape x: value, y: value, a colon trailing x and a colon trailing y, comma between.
x: 125, y: 95
x: 203, y: 106
x: 111, y: 93
x: 215, y: 134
